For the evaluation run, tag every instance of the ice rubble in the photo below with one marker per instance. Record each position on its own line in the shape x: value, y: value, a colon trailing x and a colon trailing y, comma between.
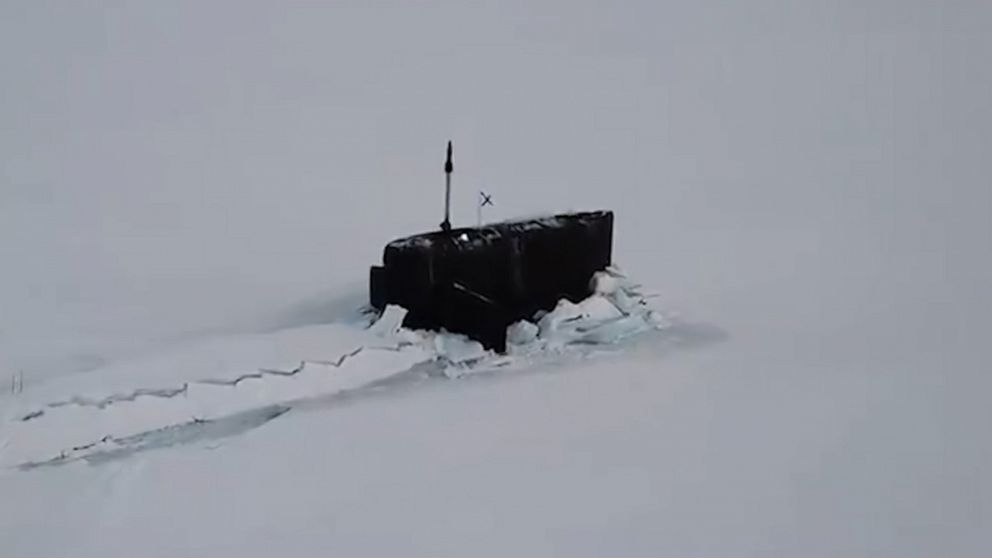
x: 616, y: 310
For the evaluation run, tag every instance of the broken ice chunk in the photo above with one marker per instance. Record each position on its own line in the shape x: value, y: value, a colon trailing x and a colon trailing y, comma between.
x: 390, y: 322
x: 457, y: 348
x: 604, y: 283
x: 597, y: 308
x: 521, y: 333
x: 565, y: 310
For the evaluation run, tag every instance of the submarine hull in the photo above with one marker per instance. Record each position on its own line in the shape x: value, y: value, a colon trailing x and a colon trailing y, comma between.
x: 479, y: 280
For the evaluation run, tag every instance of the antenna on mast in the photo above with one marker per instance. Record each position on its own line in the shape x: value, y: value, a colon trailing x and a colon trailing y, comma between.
x: 448, y: 167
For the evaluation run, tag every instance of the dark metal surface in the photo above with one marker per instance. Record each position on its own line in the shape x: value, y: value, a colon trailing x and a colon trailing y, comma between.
x: 479, y: 280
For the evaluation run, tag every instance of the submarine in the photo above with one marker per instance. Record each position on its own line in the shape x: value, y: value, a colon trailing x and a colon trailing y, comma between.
x: 479, y: 280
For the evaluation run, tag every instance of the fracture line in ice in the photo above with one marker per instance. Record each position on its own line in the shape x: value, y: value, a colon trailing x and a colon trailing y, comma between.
x: 77, y: 422
x: 167, y: 393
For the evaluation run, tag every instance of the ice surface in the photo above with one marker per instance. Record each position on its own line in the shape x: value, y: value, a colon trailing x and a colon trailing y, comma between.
x: 73, y: 426
x: 183, y: 179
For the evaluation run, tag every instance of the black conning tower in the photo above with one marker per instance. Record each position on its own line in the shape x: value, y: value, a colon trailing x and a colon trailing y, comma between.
x: 479, y: 280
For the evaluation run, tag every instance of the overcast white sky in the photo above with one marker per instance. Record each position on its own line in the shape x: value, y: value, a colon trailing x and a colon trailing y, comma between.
x: 818, y: 168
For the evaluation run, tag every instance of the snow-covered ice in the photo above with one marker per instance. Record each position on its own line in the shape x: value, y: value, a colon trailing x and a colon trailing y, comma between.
x: 193, y: 191
x: 63, y: 426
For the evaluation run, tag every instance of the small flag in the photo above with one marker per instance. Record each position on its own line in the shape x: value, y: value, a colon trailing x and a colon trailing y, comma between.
x: 484, y: 200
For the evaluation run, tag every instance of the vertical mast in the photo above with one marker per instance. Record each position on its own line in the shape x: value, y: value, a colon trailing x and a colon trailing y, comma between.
x: 448, y: 167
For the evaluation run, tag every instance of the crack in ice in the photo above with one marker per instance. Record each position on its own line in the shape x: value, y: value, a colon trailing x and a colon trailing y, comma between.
x: 168, y: 393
